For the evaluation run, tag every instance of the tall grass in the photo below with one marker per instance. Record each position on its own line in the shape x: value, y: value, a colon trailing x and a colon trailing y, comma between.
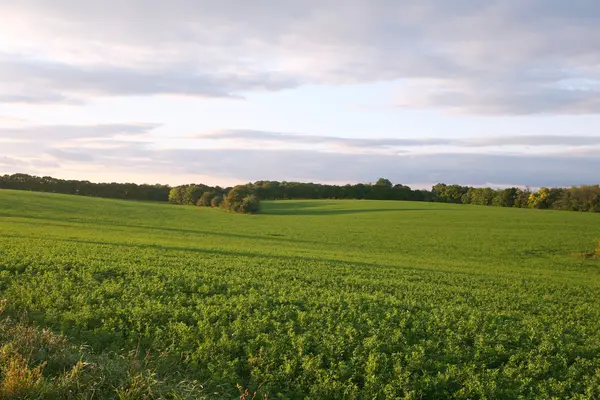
x: 39, y: 364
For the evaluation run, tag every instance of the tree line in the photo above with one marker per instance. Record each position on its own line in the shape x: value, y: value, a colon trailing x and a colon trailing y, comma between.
x: 246, y: 198
x: 111, y: 190
x: 578, y: 198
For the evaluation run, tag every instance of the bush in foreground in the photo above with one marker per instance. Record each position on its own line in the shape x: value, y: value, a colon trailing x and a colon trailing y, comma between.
x: 240, y: 199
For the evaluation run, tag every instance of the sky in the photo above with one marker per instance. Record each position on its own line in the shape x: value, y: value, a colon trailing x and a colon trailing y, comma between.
x: 482, y: 93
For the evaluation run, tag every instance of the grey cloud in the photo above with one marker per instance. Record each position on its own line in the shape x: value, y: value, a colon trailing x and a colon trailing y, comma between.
x: 538, y: 140
x: 474, y: 169
x: 107, y: 150
x: 70, y: 155
x: 53, y: 133
x: 508, y: 99
x: 17, y: 149
x: 11, y: 162
x: 496, y: 57
x: 42, y: 98
x: 43, y: 164
x: 377, y: 143
x: 249, y: 165
x: 71, y: 84
x: 14, y: 165
x: 254, y: 135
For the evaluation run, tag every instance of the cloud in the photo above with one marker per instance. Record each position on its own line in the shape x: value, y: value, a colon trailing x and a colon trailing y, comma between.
x: 465, y: 96
x: 12, y: 162
x: 290, y: 138
x: 225, y: 166
x: 32, y: 166
x: 494, y: 57
x: 71, y: 155
x: 53, y: 82
x: 55, y: 133
x: 93, y: 148
x: 6, y: 119
x: 536, y: 140
x: 256, y: 136
x: 473, y: 169
x: 37, y: 99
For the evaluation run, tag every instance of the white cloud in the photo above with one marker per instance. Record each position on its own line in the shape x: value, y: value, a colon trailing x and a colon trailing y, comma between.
x: 10, y: 120
x: 260, y: 137
x: 57, y: 133
x: 495, y: 57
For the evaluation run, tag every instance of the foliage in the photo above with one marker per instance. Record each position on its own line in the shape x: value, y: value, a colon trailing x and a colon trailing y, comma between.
x: 383, y: 182
x: 381, y: 190
x: 216, y: 201
x: 192, y: 194
x: 241, y: 199
x: 449, y: 193
x: 114, y: 190
x: 250, y: 204
x: 308, y: 299
x: 206, y: 199
x: 176, y: 195
x: 39, y: 364
x: 582, y: 198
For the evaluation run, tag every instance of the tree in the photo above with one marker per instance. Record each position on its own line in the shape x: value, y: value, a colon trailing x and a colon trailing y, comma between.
x: 505, y: 198
x: 539, y: 199
x: 522, y: 198
x: 176, y: 195
x: 241, y: 199
x: 250, y: 205
x: 449, y: 193
x: 192, y: 194
x: 206, y: 199
x: 581, y: 198
x: 216, y: 201
x: 384, y: 182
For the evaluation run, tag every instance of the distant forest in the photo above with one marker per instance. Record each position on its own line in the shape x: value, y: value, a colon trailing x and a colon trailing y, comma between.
x: 580, y: 198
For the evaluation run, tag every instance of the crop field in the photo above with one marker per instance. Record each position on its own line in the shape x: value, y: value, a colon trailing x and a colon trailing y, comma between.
x: 308, y: 299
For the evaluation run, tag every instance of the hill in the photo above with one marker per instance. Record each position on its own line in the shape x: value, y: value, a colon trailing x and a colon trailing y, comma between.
x: 313, y: 299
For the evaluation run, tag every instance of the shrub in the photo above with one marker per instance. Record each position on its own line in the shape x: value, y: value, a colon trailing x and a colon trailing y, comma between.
x: 250, y: 204
x: 240, y: 199
x: 206, y: 199
x: 216, y: 201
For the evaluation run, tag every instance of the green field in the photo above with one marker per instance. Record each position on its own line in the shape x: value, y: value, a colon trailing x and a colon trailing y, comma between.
x: 316, y: 299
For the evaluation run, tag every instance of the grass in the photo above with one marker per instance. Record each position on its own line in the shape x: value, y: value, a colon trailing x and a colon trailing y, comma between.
x: 310, y: 299
x: 39, y: 364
